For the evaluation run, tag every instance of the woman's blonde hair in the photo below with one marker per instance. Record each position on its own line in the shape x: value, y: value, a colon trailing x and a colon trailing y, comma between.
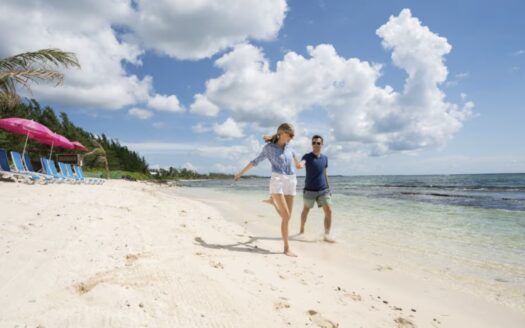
x: 283, y: 128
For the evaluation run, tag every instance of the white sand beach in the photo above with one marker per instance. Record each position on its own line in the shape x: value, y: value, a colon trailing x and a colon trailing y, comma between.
x: 130, y: 254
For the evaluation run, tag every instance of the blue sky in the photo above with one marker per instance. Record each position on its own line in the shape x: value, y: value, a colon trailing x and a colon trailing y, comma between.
x: 451, y: 103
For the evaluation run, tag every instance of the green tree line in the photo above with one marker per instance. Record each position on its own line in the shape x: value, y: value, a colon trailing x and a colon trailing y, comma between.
x: 173, y: 173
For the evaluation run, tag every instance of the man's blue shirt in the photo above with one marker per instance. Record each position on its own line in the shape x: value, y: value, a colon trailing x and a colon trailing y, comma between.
x: 315, y: 168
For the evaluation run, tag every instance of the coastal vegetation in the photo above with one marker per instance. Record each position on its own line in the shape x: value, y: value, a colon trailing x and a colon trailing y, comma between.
x: 105, y: 157
x: 103, y: 152
x: 173, y: 173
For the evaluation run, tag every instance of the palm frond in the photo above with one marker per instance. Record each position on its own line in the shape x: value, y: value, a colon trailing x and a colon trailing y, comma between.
x: 55, y: 57
x: 23, y: 76
x: 9, y: 100
x: 32, y: 67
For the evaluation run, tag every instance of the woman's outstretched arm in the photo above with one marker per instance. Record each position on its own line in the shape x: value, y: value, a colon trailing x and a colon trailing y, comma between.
x: 253, y: 163
x: 243, y: 171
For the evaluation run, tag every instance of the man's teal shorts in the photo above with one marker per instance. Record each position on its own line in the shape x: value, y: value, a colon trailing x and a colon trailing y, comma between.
x: 310, y: 198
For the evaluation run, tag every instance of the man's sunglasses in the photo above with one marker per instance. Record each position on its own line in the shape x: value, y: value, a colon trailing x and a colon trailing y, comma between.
x: 316, y: 143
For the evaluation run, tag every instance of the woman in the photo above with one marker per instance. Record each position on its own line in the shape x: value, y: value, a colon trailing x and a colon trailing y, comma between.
x: 283, y: 181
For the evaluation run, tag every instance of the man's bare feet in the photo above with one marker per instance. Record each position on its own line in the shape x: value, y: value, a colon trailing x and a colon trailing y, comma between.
x: 328, y: 239
x: 289, y: 253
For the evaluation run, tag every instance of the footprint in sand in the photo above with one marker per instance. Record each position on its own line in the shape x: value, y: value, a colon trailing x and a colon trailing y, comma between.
x: 131, y: 258
x: 404, y: 323
x: 354, y: 296
x: 383, y: 268
x: 216, y: 265
x: 321, y: 321
x: 279, y: 305
x: 125, y: 277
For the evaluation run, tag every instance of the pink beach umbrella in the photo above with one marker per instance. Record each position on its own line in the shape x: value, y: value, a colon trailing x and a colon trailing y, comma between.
x: 79, y: 146
x: 29, y: 128
x: 56, y: 140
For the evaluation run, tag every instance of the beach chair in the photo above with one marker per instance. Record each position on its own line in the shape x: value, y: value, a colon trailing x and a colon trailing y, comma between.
x: 29, y: 167
x: 66, y: 170
x: 20, y: 168
x: 80, y: 173
x: 74, y: 172
x: 46, y: 168
x: 52, y: 167
x: 60, y: 173
x: 5, y: 170
x: 27, y: 163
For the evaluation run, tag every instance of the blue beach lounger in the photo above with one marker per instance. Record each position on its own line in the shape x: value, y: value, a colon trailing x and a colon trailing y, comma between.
x: 47, y: 169
x: 20, y: 168
x: 80, y: 176
x: 65, y: 172
x: 74, y: 172
x: 53, y: 168
x: 61, y: 173
x: 29, y: 167
x: 80, y: 173
x: 5, y: 170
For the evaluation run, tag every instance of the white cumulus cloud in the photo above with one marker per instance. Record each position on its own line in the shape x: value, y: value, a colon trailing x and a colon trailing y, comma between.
x: 228, y: 129
x: 202, y: 106
x: 165, y: 103
x: 240, y: 153
x: 140, y: 113
x: 85, y: 28
x: 361, y: 113
x: 198, y: 29
x: 107, y: 35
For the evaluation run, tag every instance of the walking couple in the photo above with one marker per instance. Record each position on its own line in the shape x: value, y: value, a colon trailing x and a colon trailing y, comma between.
x: 283, y: 181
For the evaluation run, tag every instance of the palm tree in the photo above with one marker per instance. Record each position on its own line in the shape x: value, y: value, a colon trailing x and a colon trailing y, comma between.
x: 100, y: 156
x: 24, y: 68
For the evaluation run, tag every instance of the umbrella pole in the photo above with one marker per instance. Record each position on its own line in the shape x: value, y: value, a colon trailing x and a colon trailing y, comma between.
x: 51, y: 152
x: 25, y: 145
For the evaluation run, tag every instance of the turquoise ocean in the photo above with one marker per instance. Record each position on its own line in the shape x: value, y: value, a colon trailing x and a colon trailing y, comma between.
x: 468, y: 230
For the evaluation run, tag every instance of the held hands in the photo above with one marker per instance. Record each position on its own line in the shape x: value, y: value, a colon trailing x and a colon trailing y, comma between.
x: 237, y: 177
x: 300, y: 164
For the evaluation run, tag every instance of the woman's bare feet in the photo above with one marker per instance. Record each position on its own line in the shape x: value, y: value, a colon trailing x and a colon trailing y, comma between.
x: 289, y: 253
x: 268, y: 201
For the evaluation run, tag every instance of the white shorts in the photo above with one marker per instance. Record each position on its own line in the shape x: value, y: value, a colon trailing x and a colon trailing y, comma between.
x: 283, y: 184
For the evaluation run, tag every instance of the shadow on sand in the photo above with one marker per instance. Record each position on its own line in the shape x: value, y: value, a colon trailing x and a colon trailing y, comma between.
x: 246, y: 246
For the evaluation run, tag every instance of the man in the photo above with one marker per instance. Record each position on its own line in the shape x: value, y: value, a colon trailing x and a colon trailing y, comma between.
x: 316, y: 188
